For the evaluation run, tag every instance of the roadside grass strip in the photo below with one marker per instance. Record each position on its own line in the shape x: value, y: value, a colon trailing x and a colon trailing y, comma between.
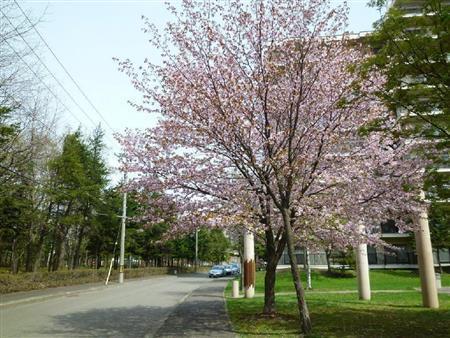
x: 395, y: 311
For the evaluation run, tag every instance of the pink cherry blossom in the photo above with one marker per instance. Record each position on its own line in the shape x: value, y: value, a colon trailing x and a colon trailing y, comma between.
x: 261, y: 111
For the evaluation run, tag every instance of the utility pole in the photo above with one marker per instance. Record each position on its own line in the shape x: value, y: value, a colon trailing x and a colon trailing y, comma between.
x: 122, y: 235
x: 196, y: 249
x: 249, y: 264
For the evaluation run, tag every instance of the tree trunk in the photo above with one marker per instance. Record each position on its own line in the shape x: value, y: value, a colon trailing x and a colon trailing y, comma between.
x: 29, y: 256
x: 37, y: 260
x: 269, y: 287
x: 116, y: 261
x: 8, y: 259
x: 305, y: 320
x: 50, y: 256
x: 273, y: 256
x: 57, y: 253
x: 76, y: 255
x: 14, y: 257
x: 31, y: 249
x: 98, y: 260
x: 59, y: 238
x: 64, y: 256
x: 327, y: 256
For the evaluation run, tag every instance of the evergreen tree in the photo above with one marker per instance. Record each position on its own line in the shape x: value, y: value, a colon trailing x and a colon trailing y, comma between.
x: 412, y: 45
x: 412, y: 51
x: 68, y: 178
x: 104, y: 230
x: 95, y: 180
x: 214, y: 246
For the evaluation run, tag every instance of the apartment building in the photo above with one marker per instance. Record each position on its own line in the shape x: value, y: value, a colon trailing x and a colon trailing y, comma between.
x: 421, y: 90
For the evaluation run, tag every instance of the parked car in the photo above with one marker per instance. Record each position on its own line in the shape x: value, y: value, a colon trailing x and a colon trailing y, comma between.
x: 228, y: 269
x: 235, y: 269
x: 217, y: 271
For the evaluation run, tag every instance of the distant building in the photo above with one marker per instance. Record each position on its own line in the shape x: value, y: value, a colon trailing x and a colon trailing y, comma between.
x: 404, y: 256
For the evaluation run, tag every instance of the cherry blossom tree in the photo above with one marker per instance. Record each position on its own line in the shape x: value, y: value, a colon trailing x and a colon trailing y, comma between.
x: 266, y: 125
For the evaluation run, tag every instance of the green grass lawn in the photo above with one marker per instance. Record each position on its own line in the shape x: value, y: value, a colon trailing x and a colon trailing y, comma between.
x: 397, y: 314
x: 379, y: 280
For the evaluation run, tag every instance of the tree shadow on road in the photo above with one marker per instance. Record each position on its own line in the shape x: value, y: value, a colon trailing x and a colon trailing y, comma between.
x: 203, y: 314
x: 114, y: 322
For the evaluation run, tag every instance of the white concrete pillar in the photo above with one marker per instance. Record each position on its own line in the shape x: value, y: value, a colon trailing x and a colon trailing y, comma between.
x: 235, y: 289
x: 425, y: 260
x: 362, y: 272
x: 308, y: 270
x: 249, y: 265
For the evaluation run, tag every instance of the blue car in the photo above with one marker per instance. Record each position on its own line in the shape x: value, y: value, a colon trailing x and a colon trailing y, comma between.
x: 228, y: 270
x: 235, y: 269
x: 217, y: 271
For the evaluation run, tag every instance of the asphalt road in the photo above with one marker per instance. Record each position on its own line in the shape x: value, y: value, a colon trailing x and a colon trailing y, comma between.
x: 185, y: 305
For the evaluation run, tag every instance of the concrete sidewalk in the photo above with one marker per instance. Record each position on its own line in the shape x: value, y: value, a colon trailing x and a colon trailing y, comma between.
x: 443, y: 290
x: 202, y: 314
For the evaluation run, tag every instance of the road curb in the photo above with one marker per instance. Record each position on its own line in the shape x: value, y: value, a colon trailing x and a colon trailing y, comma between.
x: 181, y: 301
x: 212, y: 314
x: 186, y: 296
x: 226, y: 309
x: 54, y: 295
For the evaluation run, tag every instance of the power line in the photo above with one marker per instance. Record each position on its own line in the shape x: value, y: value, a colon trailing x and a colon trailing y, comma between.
x: 39, y: 78
x: 48, y: 70
x: 42, y: 81
x: 33, y: 180
x: 19, y: 174
x: 50, y: 130
x: 64, y: 68
x: 34, y: 117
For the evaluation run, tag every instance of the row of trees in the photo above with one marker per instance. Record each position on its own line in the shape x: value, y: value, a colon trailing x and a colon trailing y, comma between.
x: 61, y: 213
x: 58, y: 207
x: 48, y: 196
x: 58, y: 211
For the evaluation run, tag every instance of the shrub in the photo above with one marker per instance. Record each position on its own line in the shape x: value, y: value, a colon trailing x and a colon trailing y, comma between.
x: 25, y: 281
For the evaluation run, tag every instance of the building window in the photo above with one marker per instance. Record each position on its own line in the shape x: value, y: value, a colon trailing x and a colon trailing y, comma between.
x: 389, y: 227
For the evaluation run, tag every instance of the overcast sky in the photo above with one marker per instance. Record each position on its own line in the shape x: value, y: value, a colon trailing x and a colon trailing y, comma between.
x: 86, y: 34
